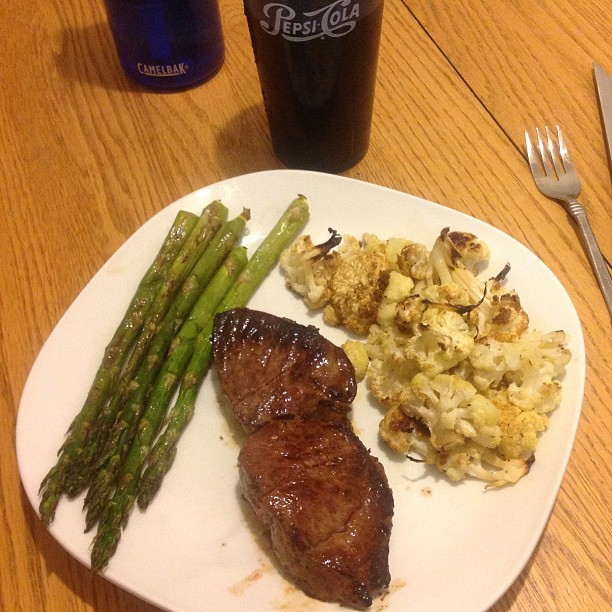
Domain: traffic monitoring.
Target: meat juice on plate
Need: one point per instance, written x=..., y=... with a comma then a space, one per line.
x=317, y=63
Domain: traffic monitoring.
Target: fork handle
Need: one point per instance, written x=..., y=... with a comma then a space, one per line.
x=598, y=263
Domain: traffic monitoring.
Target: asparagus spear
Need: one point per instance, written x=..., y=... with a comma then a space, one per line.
x=135, y=384
x=79, y=474
x=267, y=254
x=211, y=219
x=128, y=409
x=163, y=452
x=117, y=509
x=54, y=483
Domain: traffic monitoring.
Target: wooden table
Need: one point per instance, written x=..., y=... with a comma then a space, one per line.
x=87, y=157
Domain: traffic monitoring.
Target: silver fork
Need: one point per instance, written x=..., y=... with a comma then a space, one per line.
x=559, y=181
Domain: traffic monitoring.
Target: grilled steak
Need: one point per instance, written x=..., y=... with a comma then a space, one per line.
x=308, y=477
x=327, y=504
x=270, y=368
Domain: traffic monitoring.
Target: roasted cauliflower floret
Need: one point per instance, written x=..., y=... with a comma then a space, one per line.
x=484, y=465
x=519, y=428
x=396, y=292
x=389, y=372
x=507, y=319
x=409, y=436
x=413, y=260
x=409, y=313
x=500, y=315
x=428, y=339
x=397, y=430
x=527, y=368
x=358, y=356
x=357, y=288
x=446, y=294
x=390, y=248
x=447, y=408
x=441, y=341
x=309, y=268
x=453, y=250
x=453, y=411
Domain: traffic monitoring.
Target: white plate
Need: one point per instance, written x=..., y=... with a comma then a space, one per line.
x=453, y=546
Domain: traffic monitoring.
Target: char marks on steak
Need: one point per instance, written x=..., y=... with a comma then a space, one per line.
x=308, y=477
x=270, y=368
x=327, y=504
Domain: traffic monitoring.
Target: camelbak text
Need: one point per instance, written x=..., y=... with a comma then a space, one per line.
x=170, y=70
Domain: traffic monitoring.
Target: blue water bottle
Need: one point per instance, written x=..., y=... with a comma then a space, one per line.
x=167, y=44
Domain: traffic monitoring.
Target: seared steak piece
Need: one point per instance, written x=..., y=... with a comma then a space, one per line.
x=327, y=504
x=270, y=367
x=310, y=480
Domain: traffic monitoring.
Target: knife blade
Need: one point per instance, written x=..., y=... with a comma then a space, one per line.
x=603, y=84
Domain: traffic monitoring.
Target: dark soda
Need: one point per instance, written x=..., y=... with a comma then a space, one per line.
x=317, y=63
x=167, y=43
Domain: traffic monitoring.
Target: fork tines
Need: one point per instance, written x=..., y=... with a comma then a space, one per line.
x=548, y=153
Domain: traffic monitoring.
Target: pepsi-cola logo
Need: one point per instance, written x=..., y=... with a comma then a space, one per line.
x=334, y=20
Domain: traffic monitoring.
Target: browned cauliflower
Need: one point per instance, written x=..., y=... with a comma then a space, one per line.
x=408, y=435
x=358, y=356
x=357, y=288
x=519, y=428
x=457, y=250
x=526, y=369
x=500, y=315
x=309, y=269
x=466, y=385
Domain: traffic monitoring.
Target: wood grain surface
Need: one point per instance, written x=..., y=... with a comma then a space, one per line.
x=87, y=157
